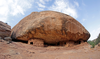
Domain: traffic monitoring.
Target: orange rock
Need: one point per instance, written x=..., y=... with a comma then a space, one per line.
x=50, y=26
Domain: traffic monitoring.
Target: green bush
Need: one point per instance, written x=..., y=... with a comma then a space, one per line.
x=94, y=42
x=93, y=45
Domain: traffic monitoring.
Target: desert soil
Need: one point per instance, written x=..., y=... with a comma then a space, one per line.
x=18, y=50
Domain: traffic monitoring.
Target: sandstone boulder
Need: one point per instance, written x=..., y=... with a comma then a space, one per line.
x=51, y=27
x=5, y=29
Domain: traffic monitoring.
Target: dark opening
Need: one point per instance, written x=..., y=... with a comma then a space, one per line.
x=31, y=43
x=79, y=42
x=85, y=40
x=56, y=44
x=15, y=40
x=46, y=44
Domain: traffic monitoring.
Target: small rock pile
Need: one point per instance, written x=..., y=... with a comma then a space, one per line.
x=6, y=40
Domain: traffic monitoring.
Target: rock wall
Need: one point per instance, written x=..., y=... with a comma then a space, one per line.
x=5, y=29
x=36, y=42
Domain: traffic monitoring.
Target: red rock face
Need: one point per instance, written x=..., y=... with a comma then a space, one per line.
x=50, y=26
x=5, y=30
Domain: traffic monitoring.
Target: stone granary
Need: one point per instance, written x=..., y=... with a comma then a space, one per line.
x=50, y=28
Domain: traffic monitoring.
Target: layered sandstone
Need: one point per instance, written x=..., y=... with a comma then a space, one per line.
x=5, y=29
x=51, y=27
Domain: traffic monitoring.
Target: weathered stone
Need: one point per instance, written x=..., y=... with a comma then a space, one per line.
x=36, y=42
x=8, y=39
x=5, y=30
x=50, y=26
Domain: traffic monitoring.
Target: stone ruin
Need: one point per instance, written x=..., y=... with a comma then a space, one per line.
x=40, y=43
x=36, y=42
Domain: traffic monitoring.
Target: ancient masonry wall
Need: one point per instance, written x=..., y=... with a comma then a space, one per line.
x=36, y=42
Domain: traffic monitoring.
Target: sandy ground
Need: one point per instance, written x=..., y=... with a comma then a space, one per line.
x=18, y=50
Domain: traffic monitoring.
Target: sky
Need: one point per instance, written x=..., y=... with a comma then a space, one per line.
x=87, y=12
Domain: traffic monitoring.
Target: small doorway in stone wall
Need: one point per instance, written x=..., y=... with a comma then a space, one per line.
x=31, y=43
x=36, y=42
